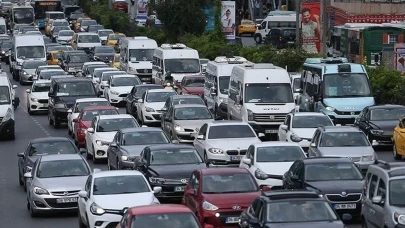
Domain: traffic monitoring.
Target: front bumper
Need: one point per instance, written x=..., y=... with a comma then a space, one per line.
x=7, y=128
x=39, y=105
x=47, y=203
x=100, y=151
x=61, y=115
x=152, y=117
x=220, y=218
x=228, y=158
x=117, y=99
x=104, y=221
x=265, y=128
x=381, y=139
x=168, y=191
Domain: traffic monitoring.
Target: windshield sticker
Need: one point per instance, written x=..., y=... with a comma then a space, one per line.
x=332, y=91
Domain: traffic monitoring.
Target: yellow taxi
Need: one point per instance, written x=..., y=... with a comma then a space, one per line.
x=399, y=140
x=112, y=39
x=52, y=57
x=48, y=27
x=116, y=61
x=76, y=24
x=246, y=27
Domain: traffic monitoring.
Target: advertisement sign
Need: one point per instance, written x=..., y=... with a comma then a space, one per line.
x=142, y=9
x=400, y=57
x=228, y=19
x=311, y=27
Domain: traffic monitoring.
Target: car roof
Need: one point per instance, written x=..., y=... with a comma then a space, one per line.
x=227, y=122
x=52, y=70
x=223, y=171
x=92, y=108
x=114, y=173
x=50, y=139
x=118, y=116
x=178, y=97
x=325, y=160
x=104, y=30
x=189, y=106
x=159, y=208
x=385, y=106
x=341, y=129
x=74, y=79
x=149, y=85
x=170, y=146
x=61, y=157
x=42, y=81
x=94, y=63
x=50, y=66
x=158, y=90
x=90, y=99
x=291, y=194
x=34, y=60
x=123, y=76
x=57, y=20
x=105, y=68
x=309, y=114
x=87, y=33
x=274, y=143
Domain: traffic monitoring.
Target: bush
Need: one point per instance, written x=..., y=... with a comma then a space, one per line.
x=387, y=85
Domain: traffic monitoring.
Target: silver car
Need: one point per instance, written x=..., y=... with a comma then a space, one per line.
x=343, y=141
x=28, y=68
x=55, y=181
x=183, y=122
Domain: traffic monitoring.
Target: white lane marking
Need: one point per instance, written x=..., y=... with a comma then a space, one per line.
x=38, y=124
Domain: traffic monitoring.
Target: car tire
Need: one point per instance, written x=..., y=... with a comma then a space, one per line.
x=21, y=81
x=50, y=120
x=395, y=153
x=29, y=110
x=118, y=165
x=363, y=223
x=33, y=213
x=81, y=223
x=88, y=156
x=28, y=204
x=56, y=124
x=12, y=136
x=20, y=181
x=69, y=131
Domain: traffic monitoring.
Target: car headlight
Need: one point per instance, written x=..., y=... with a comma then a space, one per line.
x=377, y=132
x=399, y=218
x=368, y=158
x=155, y=201
x=60, y=105
x=178, y=128
x=3, y=52
x=156, y=180
x=250, y=115
x=25, y=73
x=124, y=158
x=260, y=174
x=295, y=138
x=224, y=100
x=40, y=191
x=209, y=206
x=7, y=117
x=28, y=169
x=102, y=143
x=114, y=92
x=34, y=99
x=149, y=109
x=96, y=210
x=216, y=150
x=331, y=109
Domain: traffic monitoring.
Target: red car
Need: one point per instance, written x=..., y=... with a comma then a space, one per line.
x=192, y=85
x=160, y=216
x=218, y=196
x=120, y=5
x=83, y=121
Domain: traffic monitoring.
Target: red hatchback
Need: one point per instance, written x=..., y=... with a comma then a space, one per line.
x=192, y=85
x=160, y=216
x=83, y=121
x=218, y=196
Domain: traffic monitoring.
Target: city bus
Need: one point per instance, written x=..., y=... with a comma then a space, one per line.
x=42, y=6
x=22, y=15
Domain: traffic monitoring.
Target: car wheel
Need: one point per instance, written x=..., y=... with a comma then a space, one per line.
x=50, y=121
x=118, y=165
x=95, y=160
x=28, y=204
x=81, y=223
x=395, y=153
x=29, y=109
x=141, y=122
x=206, y=159
x=69, y=131
x=21, y=81
x=20, y=181
x=56, y=124
x=33, y=213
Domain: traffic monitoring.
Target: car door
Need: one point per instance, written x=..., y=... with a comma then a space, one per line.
x=199, y=144
x=83, y=201
x=89, y=135
x=141, y=104
x=368, y=207
x=379, y=214
x=287, y=182
x=282, y=134
x=129, y=100
x=70, y=116
x=23, y=161
x=190, y=200
x=312, y=150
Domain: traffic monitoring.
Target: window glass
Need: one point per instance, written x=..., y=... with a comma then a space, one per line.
x=229, y=183
x=175, y=156
x=89, y=115
x=344, y=139
x=396, y=192
x=48, y=148
x=144, y=138
x=120, y=185
x=373, y=185
x=382, y=190
x=62, y=168
x=231, y=131
x=328, y=172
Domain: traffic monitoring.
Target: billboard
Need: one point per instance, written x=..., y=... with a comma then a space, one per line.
x=400, y=57
x=228, y=19
x=311, y=26
x=142, y=9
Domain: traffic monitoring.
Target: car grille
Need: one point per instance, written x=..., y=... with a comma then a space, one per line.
x=144, y=71
x=355, y=159
x=123, y=95
x=112, y=225
x=156, y=116
x=52, y=203
x=340, y=198
x=236, y=152
x=346, y=113
x=43, y=101
x=175, y=181
x=65, y=193
x=269, y=117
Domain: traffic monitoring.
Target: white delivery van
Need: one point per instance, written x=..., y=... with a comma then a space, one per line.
x=8, y=102
x=177, y=59
x=217, y=75
x=275, y=21
x=261, y=95
x=136, y=54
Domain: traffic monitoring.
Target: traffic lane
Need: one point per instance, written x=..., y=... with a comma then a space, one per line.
x=247, y=41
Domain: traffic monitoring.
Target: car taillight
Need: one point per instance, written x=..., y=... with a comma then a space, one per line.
x=280, y=38
x=82, y=127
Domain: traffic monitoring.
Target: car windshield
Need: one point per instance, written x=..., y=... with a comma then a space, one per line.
x=296, y=84
x=79, y=58
x=144, y=138
x=41, y=87
x=75, y=88
x=159, y=96
x=346, y=85
x=332, y=171
x=59, y=28
x=66, y=33
x=182, y=65
x=95, y=28
x=178, y=220
x=75, y=16
x=344, y=139
x=224, y=84
x=47, y=75
x=6, y=45
x=59, y=48
x=105, y=32
x=82, y=105
x=89, y=39
x=23, y=15
x=275, y=93
x=49, y=67
x=193, y=82
x=98, y=73
x=188, y=100
x=192, y=113
x=115, y=37
x=88, y=22
x=33, y=64
x=89, y=115
x=114, y=185
x=230, y=131
x=62, y=168
x=248, y=23
x=279, y=154
x=310, y=121
x=107, y=76
x=49, y=148
x=396, y=192
x=4, y=95
x=136, y=55
x=175, y=156
x=387, y=114
x=60, y=23
x=142, y=89
x=56, y=16
x=294, y=211
x=125, y=81
x=109, y=125
x=30, y=52
x=106, y=49
x=91, y=69
x=229, y=183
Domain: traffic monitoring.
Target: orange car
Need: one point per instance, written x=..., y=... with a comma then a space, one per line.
x=246, y=27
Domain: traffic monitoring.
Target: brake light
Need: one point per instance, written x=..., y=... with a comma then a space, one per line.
x=82, y=127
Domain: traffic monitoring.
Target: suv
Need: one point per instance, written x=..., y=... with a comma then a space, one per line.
x=281, y=37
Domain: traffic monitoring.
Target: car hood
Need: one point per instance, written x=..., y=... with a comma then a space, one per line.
x=322, y=224
x=227, y=200
x=192, y=124
x=88, y=45
x=155, y=105
x=65, y=38
x=30, y=71
x=69, y=101
x=106, y=136
x=232, y=144
x=39, y=95
x=63, y=183
x=386, y=125
x=337, y=186
x=133, y=150
x=176, y=171
x=275, y=168
x=352, y=151
x=304, y=133
x=117, y=202
x=194, y=90
x=122, y=89
x=349, y=104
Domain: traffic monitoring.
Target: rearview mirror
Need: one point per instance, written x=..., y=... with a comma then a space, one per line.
x=295, y=178
x=75, y=120
x=140, y=100
x=157, y=189
x=284, y=127
x=312, y=145
x=113, y=144
x=200, y=137
x=83, y=194
x=50, y=94
x=28, y=91
x=261, y=135
x=175, y=141
x=20, y=155
x=28, y=175
x=253, y=220
x=90, y=130
x=247, y=161
x=377, y=200
x=69, y=111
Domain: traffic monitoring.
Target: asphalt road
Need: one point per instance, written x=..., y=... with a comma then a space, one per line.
x=13, y=212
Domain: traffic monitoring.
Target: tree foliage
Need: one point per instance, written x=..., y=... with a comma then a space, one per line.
x=387, y=85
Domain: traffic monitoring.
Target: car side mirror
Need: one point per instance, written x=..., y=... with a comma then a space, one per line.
x=83, y=194
x=284, y=127
x=140, y=100
x=190, y=191
x=28, y=175
x=298, y=91
x=200, y=137
x=75, y=120
x=113, y=144
x=247, y=161
x=21, y=155
x=70, y=111
x=377, y=200
x=28, y=91
x=90, y=130
x=82, y=151
x=157, y=189
x=312, y=145
x=164, y=109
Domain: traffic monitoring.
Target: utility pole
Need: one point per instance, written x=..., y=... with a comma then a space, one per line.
x=298, y=23
x=324, y=27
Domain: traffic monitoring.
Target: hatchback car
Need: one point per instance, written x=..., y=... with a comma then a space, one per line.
x=281, y=37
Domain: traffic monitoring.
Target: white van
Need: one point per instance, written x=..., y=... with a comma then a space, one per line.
x=275, y=21
x=26, y=47
x=136, y=54
x=217, y=75
x=261, y=95
x=8, y=102
x=177, y=59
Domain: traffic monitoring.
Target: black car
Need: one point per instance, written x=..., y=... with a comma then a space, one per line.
x=64, y=56
x=135, y=94
x=378, y=122
x=290, y=209
x=338, y=179
x=63, y=94
x=128, y=144
x=5, y=48
x=74, y=62
x=103, y=53
x=281, y=37
x=169, y=166
x=94, y=28
x=40, y=147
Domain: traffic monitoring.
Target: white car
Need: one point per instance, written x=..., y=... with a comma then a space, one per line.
x=300, y=127
x=224, y=142
x=73, y=113
x=64, y=37
x=118, y=87
x=151, y=104
x=103, y=34
x=103, y=82
x=102, y=131
x=37, y=96
x=271, y=158
x=107, y=193
x=95, y=76
x=59, y=22
x=46, y=67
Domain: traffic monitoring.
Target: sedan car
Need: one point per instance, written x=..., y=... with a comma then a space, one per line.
x=74, y=62
x=103, y=34
x=28, y=69
x=103, y=81
x=180, y=99
x=182, y=122
x=46, y=67
x=54, y=183
x=37, y=96
x=136, y=94
x=192, y=85
x=55, y=32
x=169, y=166
x=118, y=88
x=107, y=193
x=47, y=74
x=103, y=53
x=150, y=106
x=85, y=73
x=64, y=37
x=5, y=50
x=246, y=27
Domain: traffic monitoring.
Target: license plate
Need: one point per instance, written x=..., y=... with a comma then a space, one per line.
x=270, y=131
x=232, y=220
x=179, y=189
x=345, y=206
x=236, y=158
x=45, y=105
x=67, y=200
